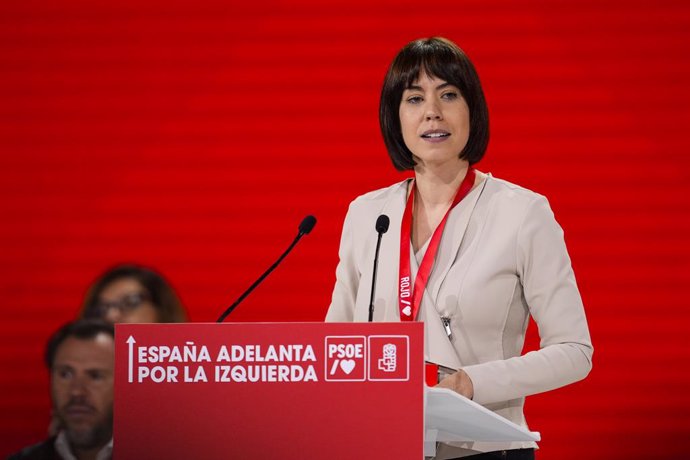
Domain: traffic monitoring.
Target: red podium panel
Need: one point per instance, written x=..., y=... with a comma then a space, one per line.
x=269, y=391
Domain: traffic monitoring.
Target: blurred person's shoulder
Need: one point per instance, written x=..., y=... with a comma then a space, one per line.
x=44, y=450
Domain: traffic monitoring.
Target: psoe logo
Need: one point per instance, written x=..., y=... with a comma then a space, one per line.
x=389, y=362
x=345, y=358
x=389, y=357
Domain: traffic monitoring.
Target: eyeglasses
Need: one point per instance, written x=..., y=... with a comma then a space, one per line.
x=125, y=304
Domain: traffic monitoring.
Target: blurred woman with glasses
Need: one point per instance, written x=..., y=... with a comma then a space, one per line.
x=133, y=294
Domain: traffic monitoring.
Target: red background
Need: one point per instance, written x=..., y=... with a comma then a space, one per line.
x=194, y=137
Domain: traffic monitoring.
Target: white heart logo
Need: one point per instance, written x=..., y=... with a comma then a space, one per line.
x=407, y=311
x=347, y=365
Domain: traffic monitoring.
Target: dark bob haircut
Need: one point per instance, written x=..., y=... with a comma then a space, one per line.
x=84, y=329
x=437, y=57
x=163, y=297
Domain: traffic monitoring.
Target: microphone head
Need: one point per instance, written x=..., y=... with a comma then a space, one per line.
x=382, y=223
x=307, y=225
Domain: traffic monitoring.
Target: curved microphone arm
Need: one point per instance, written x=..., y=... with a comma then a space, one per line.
x=305, y=227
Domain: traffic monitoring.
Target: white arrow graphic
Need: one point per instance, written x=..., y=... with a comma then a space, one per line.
x=131, y=343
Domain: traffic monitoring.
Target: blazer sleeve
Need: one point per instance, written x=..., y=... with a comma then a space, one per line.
x=347, y=275
x=551, y=294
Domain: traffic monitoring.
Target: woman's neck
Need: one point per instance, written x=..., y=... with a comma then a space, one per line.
x=435, y=191
x=436, y=187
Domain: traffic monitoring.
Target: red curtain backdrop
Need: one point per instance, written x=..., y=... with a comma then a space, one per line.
x=193, y=137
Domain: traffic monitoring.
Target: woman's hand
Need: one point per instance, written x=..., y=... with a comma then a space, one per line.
x=460, y=383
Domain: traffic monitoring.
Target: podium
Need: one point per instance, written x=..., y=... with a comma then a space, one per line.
x=285, y=391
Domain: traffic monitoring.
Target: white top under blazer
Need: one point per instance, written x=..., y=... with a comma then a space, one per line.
x=502, y=258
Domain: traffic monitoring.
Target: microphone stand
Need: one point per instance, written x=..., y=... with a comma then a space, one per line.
x=381, y=227
x=304, y=228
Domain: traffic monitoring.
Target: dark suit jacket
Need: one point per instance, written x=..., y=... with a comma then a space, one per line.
x=42, y=451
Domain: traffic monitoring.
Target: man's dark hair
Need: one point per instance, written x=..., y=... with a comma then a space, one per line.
x=84, y=329
x=437, y=57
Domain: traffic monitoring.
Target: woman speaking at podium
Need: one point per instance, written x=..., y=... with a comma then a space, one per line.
x=470, y=255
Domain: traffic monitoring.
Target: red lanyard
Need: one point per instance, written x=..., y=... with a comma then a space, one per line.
x=410, y=296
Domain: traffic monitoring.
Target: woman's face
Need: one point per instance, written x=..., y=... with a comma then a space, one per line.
x=435, y=121
x=126, y=301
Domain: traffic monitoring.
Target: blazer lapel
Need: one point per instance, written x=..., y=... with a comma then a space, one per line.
x=451, y=240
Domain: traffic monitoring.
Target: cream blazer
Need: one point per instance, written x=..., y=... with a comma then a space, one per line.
x=502, y=258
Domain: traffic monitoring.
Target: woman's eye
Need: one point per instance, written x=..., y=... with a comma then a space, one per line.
x=414, y=99
x=450, y=95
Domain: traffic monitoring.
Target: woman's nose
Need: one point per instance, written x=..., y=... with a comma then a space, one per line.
x=113, y=315
x=432, y=111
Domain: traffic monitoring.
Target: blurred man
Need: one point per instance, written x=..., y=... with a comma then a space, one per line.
x=81, y=360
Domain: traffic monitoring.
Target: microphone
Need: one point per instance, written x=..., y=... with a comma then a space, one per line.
x=382, y=224
x=306, y=225
x=304, y=228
